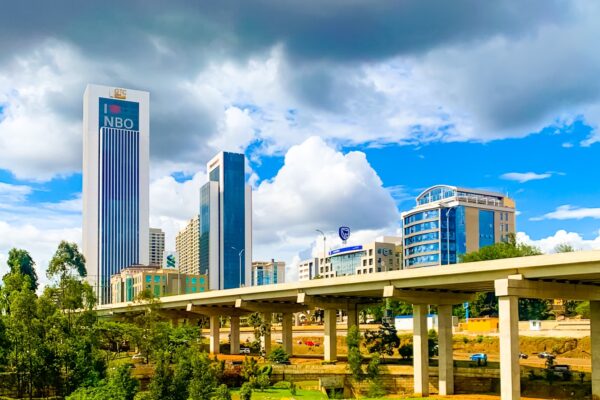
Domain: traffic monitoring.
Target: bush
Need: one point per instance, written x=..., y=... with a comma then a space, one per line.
x=293, y=388
x=278, y=355
x=282, y=385
x=479, y=339
x=223, y=393
x=376, y=389
x=246, y=391
x=263, y=381
x=406, y=350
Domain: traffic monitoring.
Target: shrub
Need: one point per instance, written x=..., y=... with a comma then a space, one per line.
x=282, y=385
x=223, y=393
x=246, y=391
x=376, y=389
x=263, y=381
x=278, y=355
x=479, y=339
x=293, y=388
x=406, y=350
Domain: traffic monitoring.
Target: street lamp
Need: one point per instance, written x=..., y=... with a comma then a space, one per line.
x=324, y=241
x=240, y=256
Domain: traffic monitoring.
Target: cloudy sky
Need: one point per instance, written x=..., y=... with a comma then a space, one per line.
x=346, y=110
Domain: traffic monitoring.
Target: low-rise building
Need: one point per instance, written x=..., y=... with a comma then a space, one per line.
x=308, y=269
x=384, y=254
x=267, y=272
x=133, y=280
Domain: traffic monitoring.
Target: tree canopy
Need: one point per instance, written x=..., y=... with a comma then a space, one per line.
x=19, y=261
x=66, y=260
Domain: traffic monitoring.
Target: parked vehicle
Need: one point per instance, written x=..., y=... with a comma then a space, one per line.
x=523, y=356
x=244, y=350
x=279, y=341
x=561, y=371
x=138, y=357
x=546, y=355
x=480, y=358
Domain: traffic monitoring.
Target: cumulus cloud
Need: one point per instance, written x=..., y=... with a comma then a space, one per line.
x=523, y=177
x=568, y=211
x=548, y=244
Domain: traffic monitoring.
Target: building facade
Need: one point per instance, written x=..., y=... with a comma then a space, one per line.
x=308, y=269
x=267, y=272
x=226, y=223
x=156, y=246
x=384, y=254
x=187, y=245
x=449, y=221
x=131, y=281
x=115, y=183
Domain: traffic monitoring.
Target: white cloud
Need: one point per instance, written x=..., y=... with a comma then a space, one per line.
x=548, y=244
x=13, y=193
x=523, y=177
x=568, y=211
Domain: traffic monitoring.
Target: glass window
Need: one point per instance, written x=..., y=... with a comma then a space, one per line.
x=156, y=278
x=193, y=281
x=428, y=259
x=202, y=281
x=148, y=278
x=424, y=226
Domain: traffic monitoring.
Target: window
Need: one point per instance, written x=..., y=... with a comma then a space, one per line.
x=156, y=278
x=370, y=252
x=364, y=263
x=370, y=261
x=148, y=278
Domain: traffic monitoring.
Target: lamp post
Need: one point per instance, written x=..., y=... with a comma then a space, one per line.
x=240, y=256
x=324, y=240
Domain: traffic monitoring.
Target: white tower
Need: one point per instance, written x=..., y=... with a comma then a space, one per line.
x=115, y=182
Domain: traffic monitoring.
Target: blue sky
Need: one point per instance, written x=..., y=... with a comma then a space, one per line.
x=345, y=111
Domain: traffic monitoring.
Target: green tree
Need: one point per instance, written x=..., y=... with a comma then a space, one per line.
x=19, y=261
x=246, y=391
x=203, y=382
x=355, y=359
x=160, y=387
x=564, y=248
x=66, y=260
x=223, y=393
x=120, y=385
x=383, y=341
x=486, y=304
x=278, y=355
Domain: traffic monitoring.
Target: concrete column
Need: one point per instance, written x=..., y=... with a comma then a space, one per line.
x=330, y=335
x=215, y=327
x=287, y=332
x=266, y=339
x=352, y=315
x=420, y=350
x=234, y=335
x=446, y=361
x=595, y=337
x=510, y=374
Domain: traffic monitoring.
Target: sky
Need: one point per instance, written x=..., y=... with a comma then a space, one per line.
x=346, y=111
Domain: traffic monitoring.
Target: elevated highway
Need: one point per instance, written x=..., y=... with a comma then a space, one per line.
x=574, y=276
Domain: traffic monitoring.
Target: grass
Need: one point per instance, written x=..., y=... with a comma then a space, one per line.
x=275, y=394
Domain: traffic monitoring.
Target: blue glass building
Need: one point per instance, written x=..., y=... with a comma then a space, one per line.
x=449, y=221
x=115, y=183
x=225, y=223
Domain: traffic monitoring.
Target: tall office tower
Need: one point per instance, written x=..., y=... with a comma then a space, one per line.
x=187, y=245
x=157, y=246
x=115, y=182
x=449, y=221
x=226, y=223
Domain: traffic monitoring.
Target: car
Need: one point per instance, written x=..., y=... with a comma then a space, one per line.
x=138, y=357
x=244, y=350
x=523, y=356
x=546, y=355
x=279, y=341
x=561, y=371
x=479, y=357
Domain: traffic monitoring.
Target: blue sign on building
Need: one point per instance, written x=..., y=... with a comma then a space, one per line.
x=344, y=233
x=119, y=114
x=345, y=249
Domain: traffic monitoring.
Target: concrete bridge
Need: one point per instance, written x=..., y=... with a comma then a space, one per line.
x=574, y=276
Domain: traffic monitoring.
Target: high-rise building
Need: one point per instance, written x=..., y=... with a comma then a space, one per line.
x=226, y=223
x=115, y=182
x=157, y=246
x=449, y=221
x=267, y=272
x=187, y=245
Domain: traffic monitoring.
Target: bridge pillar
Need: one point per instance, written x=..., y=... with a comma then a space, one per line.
x=330, y=335
x=420, y=350
x=595, y=338
x=446, y=362
x=287, y=333
x=234, y=335
x=510, y=374
x=352, y=315
x=266, y=339
x=215, y=334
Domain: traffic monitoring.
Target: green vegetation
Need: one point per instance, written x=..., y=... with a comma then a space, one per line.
x=355, y=358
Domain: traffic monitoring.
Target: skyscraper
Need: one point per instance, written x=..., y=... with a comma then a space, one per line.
x=226, y=223
x=157, y=246
x=449, y=221
x=187, y=245
x=115, y=182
